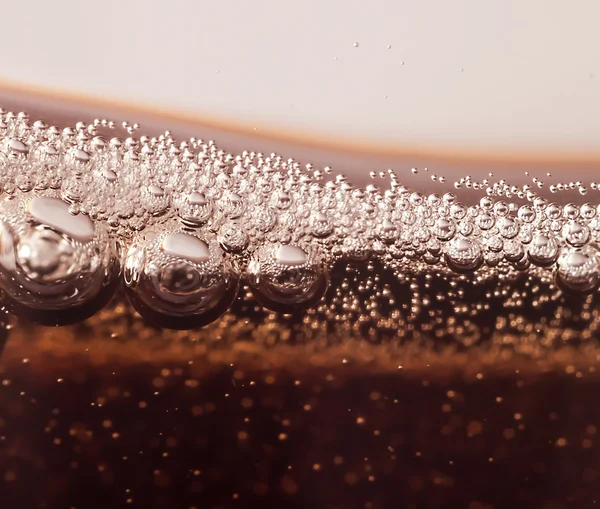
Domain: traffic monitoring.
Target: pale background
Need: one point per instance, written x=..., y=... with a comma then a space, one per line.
x=462, y=76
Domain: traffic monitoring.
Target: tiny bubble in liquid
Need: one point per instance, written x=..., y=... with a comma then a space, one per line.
x=355, y=45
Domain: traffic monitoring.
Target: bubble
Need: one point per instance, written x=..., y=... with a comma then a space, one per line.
x=457, y=210
x=109, y=175
x=55, y=214
x=444, y=229
x=486, y=221
x=553, y=211
x=73, y=190
x=195, y=209
x=55, y=268
x=321, y=226
x=465, y=228
x=282, y=200
x=464, y=254
x=285, y=276
x=233, y=238
x=494, y=244
x=576, y=234
x=179, y=280
x=513, y=250
x=571, y=211
x=387, y=231
x=501, y=208
x=578, y=270
x=16, y=147
x=79, y=156
x=523, y=264
x=492, y=259
x=155, y=200
x=508, y=227
x=486, y=203
x=526, y=214
x=232, y=205
x=543, y=250
x=588, y=211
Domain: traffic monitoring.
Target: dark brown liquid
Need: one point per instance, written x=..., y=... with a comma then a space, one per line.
x=169, y=435
x=112, y=413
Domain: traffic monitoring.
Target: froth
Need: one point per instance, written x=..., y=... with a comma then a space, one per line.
x=195, y=220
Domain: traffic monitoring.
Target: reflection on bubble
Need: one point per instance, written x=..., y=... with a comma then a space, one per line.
x=55, y=268
x=578, y=270
x=464, y=254
x=286, y=277
x=195, y=209
x=543, y=249
x=179, y=280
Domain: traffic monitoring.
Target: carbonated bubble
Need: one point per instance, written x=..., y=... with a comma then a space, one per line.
x=543, y=249
x=508, y=227
x=190, y=212
x=387, y=231
x=155, y=200
x=576, y=234
x=464, y=254
x=321, y=225
x=286, y=276
x=55, y=267
x=526, y=214
x=233, y=237
x=232, y=205
x=355, y=250
x=444, y=229
x=578, y=270
x=195, y=209
x=179, y=280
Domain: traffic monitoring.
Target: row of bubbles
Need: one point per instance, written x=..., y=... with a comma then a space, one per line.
x=57, y=268
x=187, y=225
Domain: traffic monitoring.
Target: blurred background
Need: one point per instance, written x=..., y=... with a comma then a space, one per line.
x=416, y=81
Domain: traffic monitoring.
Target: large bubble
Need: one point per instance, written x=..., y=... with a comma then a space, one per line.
x=464, y=254
x=578, y=270
x=179, y=280
x=286, y=277
x=55, y=267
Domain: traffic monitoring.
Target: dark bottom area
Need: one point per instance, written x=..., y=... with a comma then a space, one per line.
x=78, y=436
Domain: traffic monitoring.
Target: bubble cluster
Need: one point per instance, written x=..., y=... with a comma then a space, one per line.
x=186, y=224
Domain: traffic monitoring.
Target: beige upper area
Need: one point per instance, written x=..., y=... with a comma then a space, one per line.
x=471, y=75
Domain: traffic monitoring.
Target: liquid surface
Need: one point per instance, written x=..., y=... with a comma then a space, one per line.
x=189, y=211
